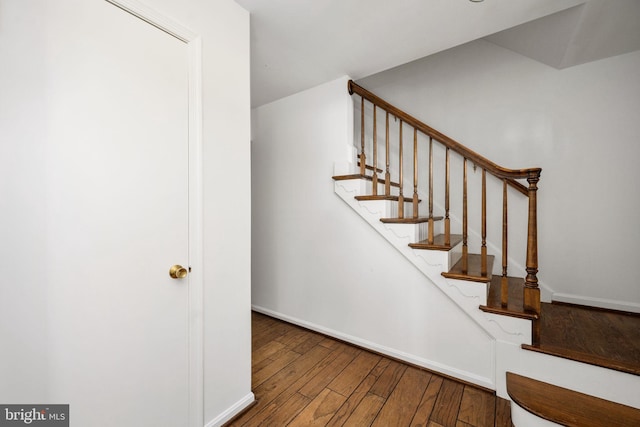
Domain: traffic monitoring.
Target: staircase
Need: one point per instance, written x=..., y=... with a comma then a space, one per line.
x=499, y=291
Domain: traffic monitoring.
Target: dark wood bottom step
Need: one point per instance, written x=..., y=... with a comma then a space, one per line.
x=438, y=243
x=610, y=339
x=473, y=272
x=515, y=306
x=409, y=220
x=568, y=407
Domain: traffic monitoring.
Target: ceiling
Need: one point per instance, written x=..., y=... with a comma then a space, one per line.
x=298, y=44
x=595, y=30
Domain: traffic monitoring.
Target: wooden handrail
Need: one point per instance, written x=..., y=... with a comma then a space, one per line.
x=509, y=174
x=531, y=291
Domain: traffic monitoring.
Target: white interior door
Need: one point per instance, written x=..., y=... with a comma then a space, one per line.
x=97, y=212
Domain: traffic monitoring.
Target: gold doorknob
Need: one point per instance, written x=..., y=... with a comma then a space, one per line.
x=178, y=272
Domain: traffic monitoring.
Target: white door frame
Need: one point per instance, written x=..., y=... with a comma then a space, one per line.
x=196, y=262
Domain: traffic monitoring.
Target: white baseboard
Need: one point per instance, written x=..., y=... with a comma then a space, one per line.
x=597, y=302
x=231, y=412
x=393, y=353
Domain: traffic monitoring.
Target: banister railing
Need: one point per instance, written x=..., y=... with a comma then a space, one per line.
x=477, y=159
x=508, y=178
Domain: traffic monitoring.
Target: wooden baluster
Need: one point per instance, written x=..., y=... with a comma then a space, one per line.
x=504, y=283
x=374, y=180
x=531, y=290
x=415, y=172
x=387, y=175
x=430, y=233
x=483, y=248
x=447, y=221
x=465, y=249
x=400, y=196
x=363, y=157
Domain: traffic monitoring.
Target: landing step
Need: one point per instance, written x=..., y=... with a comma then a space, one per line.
x=473, y=272
x=382, y=197
x=411, y=220
x=438, y=243
x=568, y=407
x=359, y=176
x=610, y=339
x=515, y=305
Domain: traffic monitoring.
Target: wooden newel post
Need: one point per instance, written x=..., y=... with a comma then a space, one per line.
x=531, y=290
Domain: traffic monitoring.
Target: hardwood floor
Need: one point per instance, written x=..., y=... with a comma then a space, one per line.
x=301, y=378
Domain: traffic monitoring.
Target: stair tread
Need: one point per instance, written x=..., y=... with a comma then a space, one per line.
x=473, y=272
x=438, y=243
x=589, y=335
x=515, y=305
x=382, y=197
x=360, y=176
x=568, y=407
x=590, y=359
x=409, y=220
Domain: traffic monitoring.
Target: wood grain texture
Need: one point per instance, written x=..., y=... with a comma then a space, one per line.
x=379, y=197
x=425, y=408
x=402, y=404
x=348, y=408
x=447, y=404
x=302, y=378
x=352, y=375
x=503, y=413
x=515, y=293
x=412, y=220
x=388, y=379
x=474, y=267
x=439, y=242
x=477, y=408
x=599, y=337
x=320, y=410
x=359, y=176
x=568, y=407
x=318, y=383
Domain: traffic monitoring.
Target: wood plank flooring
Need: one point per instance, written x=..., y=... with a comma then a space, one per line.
x=301, y=378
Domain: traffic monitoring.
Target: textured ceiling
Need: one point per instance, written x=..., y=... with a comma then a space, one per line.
x=595, y=30
x=298, y=44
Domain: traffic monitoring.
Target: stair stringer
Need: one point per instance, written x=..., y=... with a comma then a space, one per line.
x=465, y=294
x=507, y=332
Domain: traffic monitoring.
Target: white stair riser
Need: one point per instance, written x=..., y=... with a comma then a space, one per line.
x=520, y=417
x=589, y=379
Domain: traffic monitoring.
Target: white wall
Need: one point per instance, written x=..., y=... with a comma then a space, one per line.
x=224, y=28
x=317, y=263
x=579, y=124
